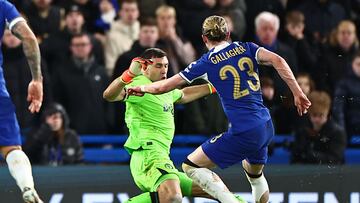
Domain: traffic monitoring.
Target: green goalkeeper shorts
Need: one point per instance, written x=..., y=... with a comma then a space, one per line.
x=150, y=168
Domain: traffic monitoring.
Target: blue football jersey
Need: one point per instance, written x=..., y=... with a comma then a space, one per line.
x=8, y=16
x=232, y=68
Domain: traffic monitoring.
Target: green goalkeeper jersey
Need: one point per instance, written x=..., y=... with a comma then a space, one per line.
x=150, y=118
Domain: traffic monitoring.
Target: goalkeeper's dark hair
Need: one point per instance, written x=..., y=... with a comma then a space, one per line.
x=153, y=53
x=215, y=28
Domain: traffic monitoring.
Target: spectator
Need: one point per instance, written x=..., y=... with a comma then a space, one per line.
x=17, y=75
x=190, y=15
x=179, y=51
x=89, y=9
x=54, y=143
x=320, y=140
x=107, y=15
x=148, y=37
x=230, y=22
x=268, y=93
x=235, y=9
x=44, y=18
x=305, y=82
x=285, y=116
x=254, y=8
x=74, y=24
x=346, y=109
x=267, y=27
x=294, y=37
x=321, y=17
x=79, y=82
x=337, y=56
x=122, y=34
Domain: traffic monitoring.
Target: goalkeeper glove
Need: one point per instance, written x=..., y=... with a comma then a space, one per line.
x=135, y=69
x=139, y=63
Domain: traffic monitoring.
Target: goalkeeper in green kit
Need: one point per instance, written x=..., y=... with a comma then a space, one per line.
x=150, y=120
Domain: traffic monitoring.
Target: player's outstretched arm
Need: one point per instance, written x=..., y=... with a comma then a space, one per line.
x=115, y=91
x=32, y=52
x=269, y=58
x=158, y=87
x=195, y=92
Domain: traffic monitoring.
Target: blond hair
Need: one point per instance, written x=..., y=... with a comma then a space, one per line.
x=165, y=8
x=215, y=28
x=344, y=23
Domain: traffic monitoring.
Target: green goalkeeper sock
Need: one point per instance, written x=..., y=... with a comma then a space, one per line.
x=147, y=197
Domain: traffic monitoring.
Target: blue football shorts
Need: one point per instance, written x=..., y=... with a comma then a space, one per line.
x=9, y=127
x=228, y=148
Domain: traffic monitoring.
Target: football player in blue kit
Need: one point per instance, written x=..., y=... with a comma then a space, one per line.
x=232, y=68
x=10, y=142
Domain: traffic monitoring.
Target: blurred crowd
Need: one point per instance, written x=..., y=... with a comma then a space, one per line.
x=86, y=43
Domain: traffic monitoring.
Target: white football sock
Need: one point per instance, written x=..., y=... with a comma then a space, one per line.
x=211, y=183
x=20, y=169
x=258, y=186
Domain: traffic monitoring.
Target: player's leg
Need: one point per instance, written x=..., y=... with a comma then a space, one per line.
x=259, y=185
x=20, y=169
x=197, y=168
x=10, y=142
x=153, y=171
x=254, y=163
x=169, y=191
x=191, y=189
x=146, y=197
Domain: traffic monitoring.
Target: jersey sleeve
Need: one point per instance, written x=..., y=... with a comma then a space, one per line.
x=11, y=14
x=254, y=48
x=177, y=94
x=194, y=71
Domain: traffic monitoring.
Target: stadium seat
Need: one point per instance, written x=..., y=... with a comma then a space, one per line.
x=181, y=139
x=183, y=145
x=179, y=154
x=352, y=156
x=103, y=139
x=280, y=156
x=355, y=140
x=100, y=155
x=281, y=138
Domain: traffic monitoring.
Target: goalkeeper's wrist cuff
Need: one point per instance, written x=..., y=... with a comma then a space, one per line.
x=127, y=77
x=211, y=88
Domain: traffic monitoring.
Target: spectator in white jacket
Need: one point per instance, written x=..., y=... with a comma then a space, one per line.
x=122, y=34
